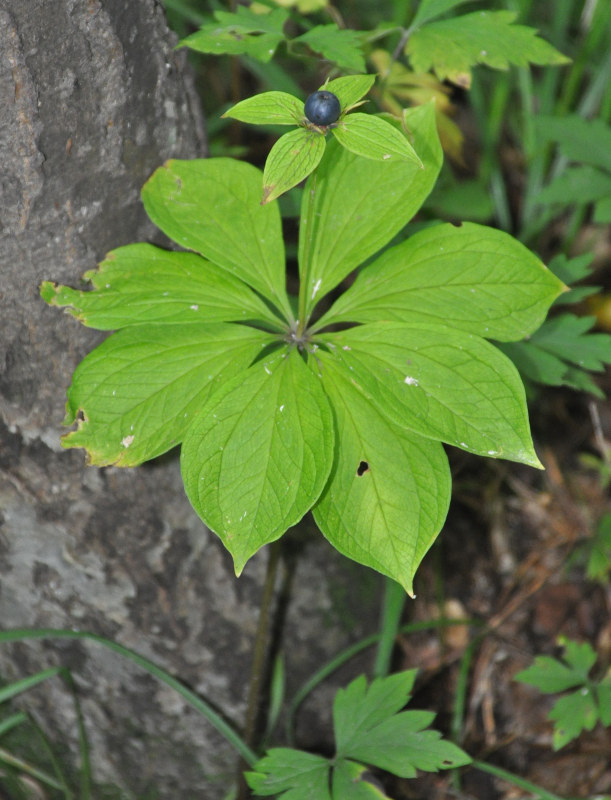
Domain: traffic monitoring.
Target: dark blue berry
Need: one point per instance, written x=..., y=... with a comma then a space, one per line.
x=322, y=108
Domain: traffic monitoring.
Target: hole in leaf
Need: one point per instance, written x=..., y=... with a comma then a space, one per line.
x=362, y=468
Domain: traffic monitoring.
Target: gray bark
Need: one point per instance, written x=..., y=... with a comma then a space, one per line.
x=92, y=99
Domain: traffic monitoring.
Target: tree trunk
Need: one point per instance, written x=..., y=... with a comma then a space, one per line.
x=93, y=99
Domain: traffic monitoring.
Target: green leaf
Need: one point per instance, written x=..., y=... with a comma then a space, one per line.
x=242, y=32
x=351, y=782
x=580, y=184
x=603, y=694
x=471, y=277
x=451, y=47
x=467, y=200
x=25, y=684
x=567, y=337
x=349, y=89
x=301, y=776
x=579, y=656
x=141, y=283
x=579, y=139
x=139, y=391
x=268, y=108
x=573, y=714
x=294, y=156
x=212, y=206
x=559, y=343
x=389, y=490
x=576, y=295
x=599, y=562
x=359, y=205
x=571, y=270
x=430, y=9
x=372, y=137
x=582, y=382
x=549, y=675
x=8, y=723
x=602, y=211
x=361, y=707
x=395, y=742
x=439, y=383
x=535, y=364
x=342, y=47
x=401, y=746
x=259, y=453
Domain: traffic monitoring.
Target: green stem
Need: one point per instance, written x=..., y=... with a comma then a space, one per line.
x=23, y=766
x=259, y=661
x=392, y=608
x=521, y=783
x=460, y=702
x=398, y=49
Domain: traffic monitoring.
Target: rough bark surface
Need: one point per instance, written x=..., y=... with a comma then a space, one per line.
x=93, y=98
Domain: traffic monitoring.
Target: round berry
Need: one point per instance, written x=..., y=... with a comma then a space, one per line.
x=322, y=108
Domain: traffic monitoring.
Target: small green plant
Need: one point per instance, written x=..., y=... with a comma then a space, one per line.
x=564, y=350
x=419, y=49
x=584, y=176
x=583, y=708
x=281, y=412
x=297, y=154
x=595, y=553
x=370, y=730
x=449, y=48
x=26, y=776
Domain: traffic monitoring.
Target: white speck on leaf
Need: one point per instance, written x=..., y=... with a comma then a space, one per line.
x=463, y=444
x=345, y=347
x=194, y=307
x=281, y=407
x=492, y=453
x=386, y=155
x=316, y=288
x=410, y=381
x=267, y=369
x=483, y=53
x=127, y=440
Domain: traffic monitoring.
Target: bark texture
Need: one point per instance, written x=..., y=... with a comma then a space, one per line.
x=93, y=98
